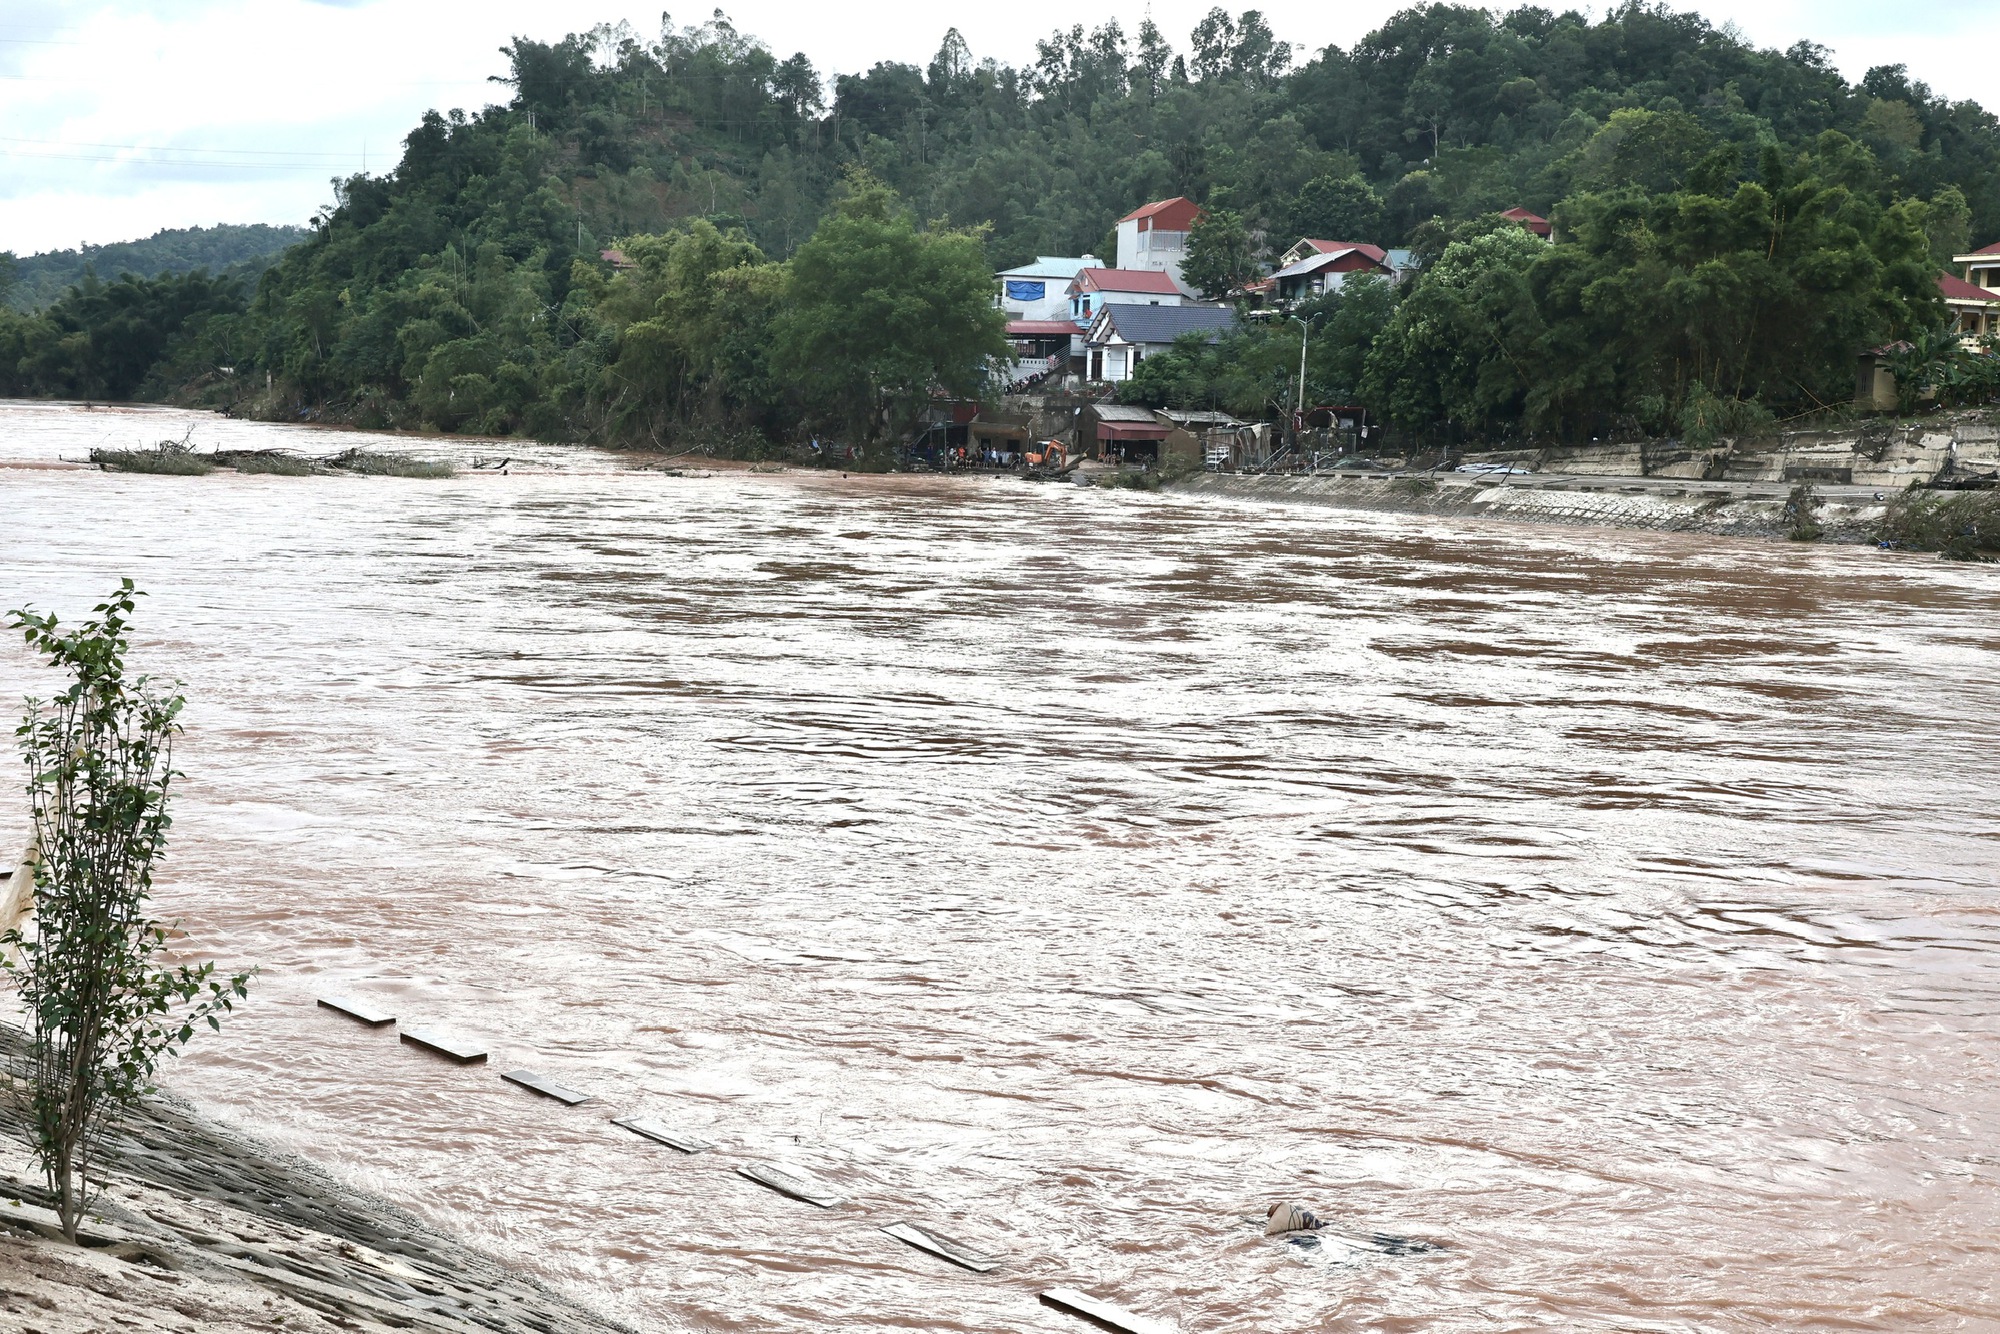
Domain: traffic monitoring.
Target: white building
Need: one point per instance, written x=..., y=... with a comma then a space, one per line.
x=1155, y=237
x=1040, y=291
x=1122, y=336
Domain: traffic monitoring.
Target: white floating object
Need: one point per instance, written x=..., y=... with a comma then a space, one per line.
x=355, y=1009
x=548, y=1088
x=655, y=1130
x=945, y=1248
x=1117, y=1317
x=456, y=1049
x=793, y=1181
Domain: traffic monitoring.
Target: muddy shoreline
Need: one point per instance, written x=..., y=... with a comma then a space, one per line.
x=203, y=1228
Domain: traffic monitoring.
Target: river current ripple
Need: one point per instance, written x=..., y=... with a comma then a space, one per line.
x=1077, y=873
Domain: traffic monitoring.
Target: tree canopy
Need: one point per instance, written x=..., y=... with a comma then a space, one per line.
x=466, y=288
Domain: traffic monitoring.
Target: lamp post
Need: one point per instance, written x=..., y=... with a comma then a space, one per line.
x=1305, y=333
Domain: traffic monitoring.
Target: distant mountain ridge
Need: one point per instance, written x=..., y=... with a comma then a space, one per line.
x=242, y=250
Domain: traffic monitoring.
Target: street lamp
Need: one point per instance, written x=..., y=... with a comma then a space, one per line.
x=1305, y=332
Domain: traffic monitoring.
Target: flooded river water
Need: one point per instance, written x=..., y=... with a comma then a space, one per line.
x=1077, y=873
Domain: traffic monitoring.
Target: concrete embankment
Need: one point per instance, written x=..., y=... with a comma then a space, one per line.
x=1846, y=513
x=200, y=1229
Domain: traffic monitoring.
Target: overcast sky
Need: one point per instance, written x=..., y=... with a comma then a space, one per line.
x=120, y=117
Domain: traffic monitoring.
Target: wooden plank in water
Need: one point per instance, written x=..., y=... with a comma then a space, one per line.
x=1103, y=1312
x=945, y=1248
x=792, y=1181
x=359, y=1010
x=655, y=1130
x=548, y=1088
x=455, y=1049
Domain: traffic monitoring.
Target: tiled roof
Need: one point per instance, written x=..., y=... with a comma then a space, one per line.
x=1127, y=280
x=1179, y=203
x=1163, y=324
x=1374, y=252
x=1956, y=288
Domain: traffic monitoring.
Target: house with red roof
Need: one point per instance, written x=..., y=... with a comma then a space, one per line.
x=1156, y=236
x=1534, y=222
x=1974, y=299
x=1313, y=268
x=1094, y=289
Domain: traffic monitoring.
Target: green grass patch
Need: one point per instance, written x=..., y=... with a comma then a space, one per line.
x=1129, y=480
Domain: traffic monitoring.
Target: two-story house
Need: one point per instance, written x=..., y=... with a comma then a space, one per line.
x=1156, y=237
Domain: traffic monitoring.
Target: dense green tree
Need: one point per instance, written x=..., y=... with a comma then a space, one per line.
x=1219, y=257
x=104, y=340
x=878, y=313
x=463, y=287
x=1336, y=208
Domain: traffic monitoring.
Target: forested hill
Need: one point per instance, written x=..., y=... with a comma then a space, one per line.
x=240, y=250
x=1445, y=109
x=465, y=288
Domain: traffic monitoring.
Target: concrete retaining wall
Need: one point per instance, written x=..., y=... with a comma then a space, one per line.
x=1695, y=509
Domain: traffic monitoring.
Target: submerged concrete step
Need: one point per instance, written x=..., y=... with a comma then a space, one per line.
x=945, y=1248
x=362, y=1011
x=455, y=1049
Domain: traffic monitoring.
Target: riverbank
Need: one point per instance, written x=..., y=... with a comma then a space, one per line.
x=203, y=1229
x=1733, y=509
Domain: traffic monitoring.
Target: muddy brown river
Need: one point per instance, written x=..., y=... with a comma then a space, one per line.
x=1076, y=873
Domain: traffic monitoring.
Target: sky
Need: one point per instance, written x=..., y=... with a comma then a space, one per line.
x=121, y=117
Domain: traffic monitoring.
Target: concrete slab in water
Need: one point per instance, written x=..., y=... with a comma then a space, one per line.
x=792, y=1181
x=654, y=1130
x=548, y=1088
x=1103, y=1312
x=945, y=1248
x=456, y=1049
x=355, y=1009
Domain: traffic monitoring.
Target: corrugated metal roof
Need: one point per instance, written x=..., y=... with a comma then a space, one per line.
x=1053, y=266
x=1163, y=324
x=1118, y=412
x=1314, y=263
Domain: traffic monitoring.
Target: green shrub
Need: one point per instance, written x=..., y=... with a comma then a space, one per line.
x=268, y=462
x=373, y=464
x=172, y=460
x=1802, y=514
x=1959, y=525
